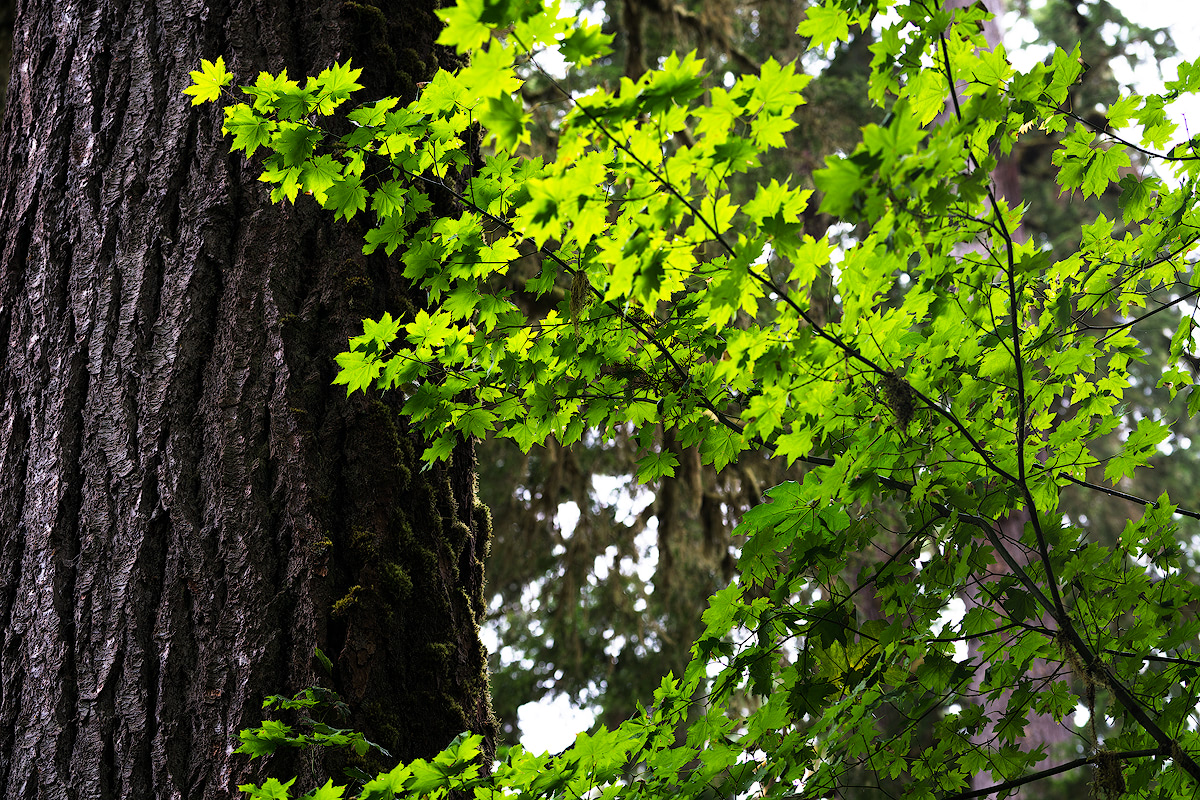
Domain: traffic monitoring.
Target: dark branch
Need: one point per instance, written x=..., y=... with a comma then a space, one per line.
x=1052, y=771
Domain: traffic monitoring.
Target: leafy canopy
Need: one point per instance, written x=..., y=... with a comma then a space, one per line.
x=964, y=378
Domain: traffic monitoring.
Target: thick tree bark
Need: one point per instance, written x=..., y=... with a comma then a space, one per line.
x=187, y=507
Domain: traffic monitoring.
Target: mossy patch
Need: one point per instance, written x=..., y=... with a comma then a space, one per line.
x=405, y=563
x=349, y=601
x=397, y=583
x=410, y=555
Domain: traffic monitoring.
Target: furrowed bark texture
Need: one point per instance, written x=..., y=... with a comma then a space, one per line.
x=187, y=506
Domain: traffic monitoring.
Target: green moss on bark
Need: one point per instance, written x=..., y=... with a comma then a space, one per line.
x=405, y=566
x=410, y=656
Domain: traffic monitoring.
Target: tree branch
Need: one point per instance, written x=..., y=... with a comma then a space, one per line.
x=1052, y=771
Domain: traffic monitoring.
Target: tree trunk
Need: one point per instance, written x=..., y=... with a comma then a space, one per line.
x=187, y=506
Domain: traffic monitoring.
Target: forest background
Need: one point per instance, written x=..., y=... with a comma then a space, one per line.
x=577, y=633
x=851, y=649
x=1081, y=577
x=543, y=390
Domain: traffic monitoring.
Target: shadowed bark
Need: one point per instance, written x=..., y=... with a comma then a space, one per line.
x=187, y=506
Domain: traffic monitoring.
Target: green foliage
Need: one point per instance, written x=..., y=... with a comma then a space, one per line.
x=208, y=81
x=964, y=381
x=266, y=738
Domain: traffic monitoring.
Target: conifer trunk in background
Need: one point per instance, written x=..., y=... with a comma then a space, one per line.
x=187, y=506
x=1041, y=730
